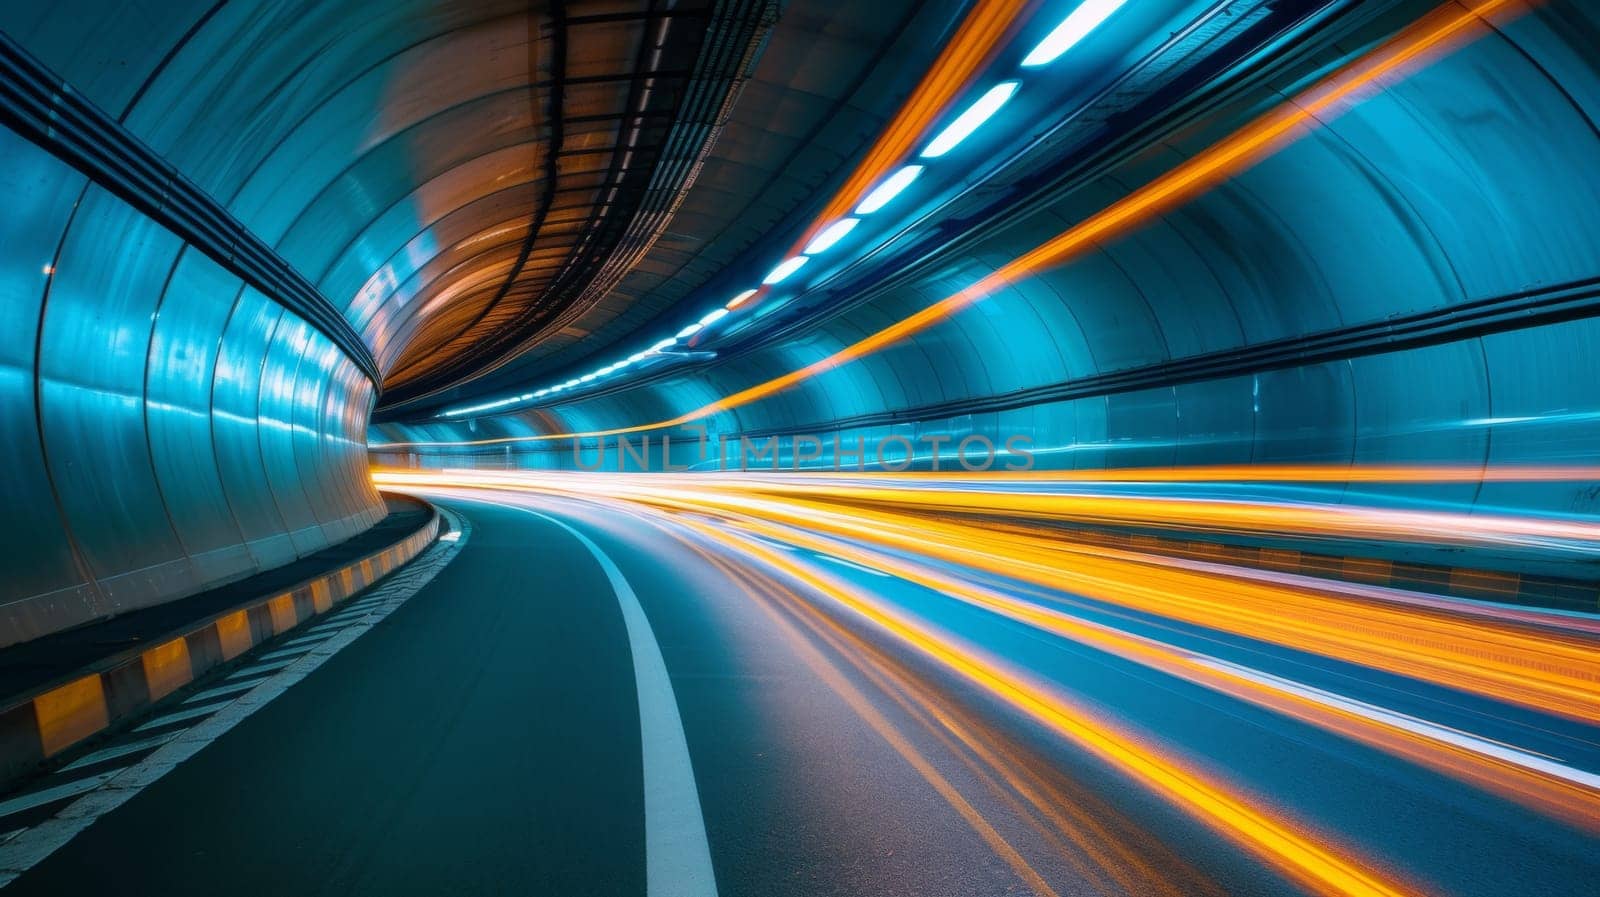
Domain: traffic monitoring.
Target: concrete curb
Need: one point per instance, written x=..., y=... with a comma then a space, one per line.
x=1459, y=582
x=39, y=726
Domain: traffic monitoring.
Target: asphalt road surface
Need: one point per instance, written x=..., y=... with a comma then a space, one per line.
x=612, y=698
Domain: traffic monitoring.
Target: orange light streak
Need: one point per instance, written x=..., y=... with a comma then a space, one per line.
x=1077, y=817
x=880, y=724
x=981, y=34
x=1278, y=841
x=1563, y=799
x=1538, y=668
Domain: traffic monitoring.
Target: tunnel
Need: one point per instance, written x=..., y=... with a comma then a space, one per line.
x=681, y=447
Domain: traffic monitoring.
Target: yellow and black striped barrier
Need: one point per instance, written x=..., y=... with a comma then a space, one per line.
x=36, y=727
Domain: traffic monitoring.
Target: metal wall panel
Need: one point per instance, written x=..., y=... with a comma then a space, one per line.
x=1544, y=409
x=36, y=547
x=138, y=476
x=276, y=409
x=236, y=425
x=179, y=381
x=94, y=346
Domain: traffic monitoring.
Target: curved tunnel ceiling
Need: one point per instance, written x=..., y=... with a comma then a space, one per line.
x=477, y=185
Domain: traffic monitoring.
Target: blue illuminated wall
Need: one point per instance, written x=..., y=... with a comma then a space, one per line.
x=165, y=428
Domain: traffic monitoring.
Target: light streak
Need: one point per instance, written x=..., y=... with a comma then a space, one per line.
x=880, y=724
x=918, y=529
x=1491, y=653
x=1564, y=792
x=1076, y=814
x=1279, y=841
x=982, y=32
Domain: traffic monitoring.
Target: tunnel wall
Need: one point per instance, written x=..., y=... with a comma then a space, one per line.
x=1470, y=184
x=167, y=429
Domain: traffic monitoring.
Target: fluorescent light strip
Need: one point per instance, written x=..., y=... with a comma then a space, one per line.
x=888, y=190
x=970, y=120
x=1075, y=27
x=1080, y=22
x=831, y=235
x=782, y=272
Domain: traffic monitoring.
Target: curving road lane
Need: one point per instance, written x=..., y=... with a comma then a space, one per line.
x=861, y=720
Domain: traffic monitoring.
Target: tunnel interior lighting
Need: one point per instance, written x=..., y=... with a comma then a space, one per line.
x=473, y=409
x=1088, y=16
x=1083, y=19
x=888, y=190
x=979, y=112
x=830, y=235
x=782, y=272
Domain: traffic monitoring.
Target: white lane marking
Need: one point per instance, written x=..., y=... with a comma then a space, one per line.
x=30, y=847
x=302, y=640
x=1464, y=740
x=54, y=793
x=219, y=691
x=677, y=852
x=259, y=669
x=120, y=750
x=842, y=562
x=181, y=716
x=280, y=655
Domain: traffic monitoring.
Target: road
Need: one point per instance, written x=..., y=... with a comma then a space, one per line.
x=837, y=711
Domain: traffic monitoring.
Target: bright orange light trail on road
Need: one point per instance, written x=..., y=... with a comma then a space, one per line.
x=1541, y=670
x=1532, y=787
x=1279, y=841
x=1528, y=659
